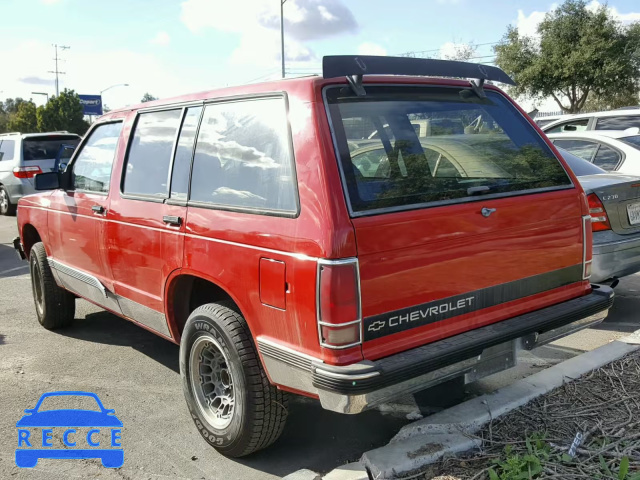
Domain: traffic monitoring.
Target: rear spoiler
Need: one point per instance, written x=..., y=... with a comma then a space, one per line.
x=355, y=66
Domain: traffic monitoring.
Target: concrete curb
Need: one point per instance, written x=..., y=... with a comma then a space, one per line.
x=426, y=441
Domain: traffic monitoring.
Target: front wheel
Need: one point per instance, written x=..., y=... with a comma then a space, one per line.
x=228, y=393
x=55, y=307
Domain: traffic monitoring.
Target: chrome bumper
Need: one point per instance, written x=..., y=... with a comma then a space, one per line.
x=474, y=354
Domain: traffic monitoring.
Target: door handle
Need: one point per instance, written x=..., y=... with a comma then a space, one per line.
x=99, y=209
x=172, y=220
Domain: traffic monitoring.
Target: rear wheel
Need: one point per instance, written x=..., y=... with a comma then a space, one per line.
x=55, y=307
x=229, y=396
x=6, y=207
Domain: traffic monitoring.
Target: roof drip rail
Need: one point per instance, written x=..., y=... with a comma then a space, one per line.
x=355, y=81
x=354, y=67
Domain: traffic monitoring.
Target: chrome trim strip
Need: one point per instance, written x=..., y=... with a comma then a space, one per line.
x=77, y=274
x=585, y=219
x=144, y=315
x=350, y=376
x=341, y=261
x=286, y=354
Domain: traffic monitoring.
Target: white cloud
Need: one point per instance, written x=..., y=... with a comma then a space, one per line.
x=161, y=38
x=257, y=22
x=621, y=17
x=369, y=48
x=89, y=70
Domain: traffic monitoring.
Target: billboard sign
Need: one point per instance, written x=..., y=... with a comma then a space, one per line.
x=92, y=104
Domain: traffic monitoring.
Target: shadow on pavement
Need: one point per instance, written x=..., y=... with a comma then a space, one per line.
x=10, y=264
x=107, y=328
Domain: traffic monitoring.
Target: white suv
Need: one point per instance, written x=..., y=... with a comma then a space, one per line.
x=22, y=156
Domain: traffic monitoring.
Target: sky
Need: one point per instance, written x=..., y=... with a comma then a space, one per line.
x=172, y=47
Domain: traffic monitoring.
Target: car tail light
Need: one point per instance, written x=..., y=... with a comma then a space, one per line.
x=599, y=219
x=26, y=172
x=339, y=314
x=587, y=246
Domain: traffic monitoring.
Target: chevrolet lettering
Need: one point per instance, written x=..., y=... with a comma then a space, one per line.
x=319, y=236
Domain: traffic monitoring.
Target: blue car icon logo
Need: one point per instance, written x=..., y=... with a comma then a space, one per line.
x=69, y=433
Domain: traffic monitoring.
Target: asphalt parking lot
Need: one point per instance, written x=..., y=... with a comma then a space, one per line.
x=136, y=373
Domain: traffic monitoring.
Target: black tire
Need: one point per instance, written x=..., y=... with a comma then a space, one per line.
x=6, y=207
x=55, y=307
x=259, y=411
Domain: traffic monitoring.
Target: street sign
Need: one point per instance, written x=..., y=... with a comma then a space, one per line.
x=92, y=104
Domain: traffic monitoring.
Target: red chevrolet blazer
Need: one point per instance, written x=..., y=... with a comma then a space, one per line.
x=352, y=237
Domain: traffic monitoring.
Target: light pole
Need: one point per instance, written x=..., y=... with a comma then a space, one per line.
x=113, y=86
x=41, y=93
x=282, y=2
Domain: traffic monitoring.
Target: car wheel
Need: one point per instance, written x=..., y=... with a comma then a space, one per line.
x=6, y=207
x=55, y=307
x=229, y=396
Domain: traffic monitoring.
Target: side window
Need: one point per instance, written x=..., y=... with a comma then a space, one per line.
x=607, y=158
x=570, y=126
x=6, y=149
x=184, y=152
x=147, y=167
x=579, y=148
x=242, y=157
x=92, y=166
x=618, y=123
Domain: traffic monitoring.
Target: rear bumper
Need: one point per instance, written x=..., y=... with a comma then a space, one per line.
x=474, y=354
x=615, y=259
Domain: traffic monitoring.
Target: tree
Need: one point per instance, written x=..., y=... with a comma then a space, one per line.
x=147, y=97
x=611, y=102
x=462, y=52
x=24, y=119
x=64, y=112
x=579, y=52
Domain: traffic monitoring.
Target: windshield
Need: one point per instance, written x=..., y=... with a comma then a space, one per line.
x=580, y=166
x=464, y=146
x=46, y=148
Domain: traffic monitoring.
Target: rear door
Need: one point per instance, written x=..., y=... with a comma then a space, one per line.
x=473, y=224
x=147, y=216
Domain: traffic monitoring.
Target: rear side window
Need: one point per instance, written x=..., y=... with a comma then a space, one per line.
x=466, y=146
x=607, y=158
x=149, y=157
x=618, y=123
x=45, y=148
x=570, y=126
x=243, y=157
x=93, y=164
x=581, y=148
x=6, y=149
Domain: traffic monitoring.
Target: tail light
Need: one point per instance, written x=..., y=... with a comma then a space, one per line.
x=339, y=310
x=26, y=172
x=599, y=219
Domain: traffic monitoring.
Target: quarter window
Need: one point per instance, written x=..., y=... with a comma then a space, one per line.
x=6, y=149
x=184, y=152
x=242, y=157
x=149, y=157
x=570, y=126
x=607, y=158
x=92, y=166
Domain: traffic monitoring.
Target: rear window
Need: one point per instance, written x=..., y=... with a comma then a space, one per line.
x=466, y=146
x=45, y=148
x=633, y=140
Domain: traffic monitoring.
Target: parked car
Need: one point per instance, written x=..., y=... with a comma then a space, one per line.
x=613, y=151
x=614, y=203
x=235, y=223
x=22, y=156
x=543, y=121
x=620, y=119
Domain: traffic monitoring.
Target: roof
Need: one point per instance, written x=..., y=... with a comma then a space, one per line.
x=40, y=134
